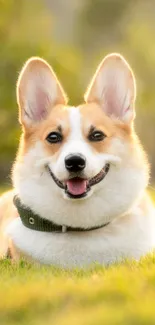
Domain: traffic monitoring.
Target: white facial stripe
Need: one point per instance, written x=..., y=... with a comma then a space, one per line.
x=75, y=123
x=76, y=142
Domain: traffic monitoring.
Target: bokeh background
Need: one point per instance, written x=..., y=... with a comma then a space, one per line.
x=74, y=35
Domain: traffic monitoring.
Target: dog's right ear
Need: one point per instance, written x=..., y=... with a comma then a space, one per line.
x=38, y=90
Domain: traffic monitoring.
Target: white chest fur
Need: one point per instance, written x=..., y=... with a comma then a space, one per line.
x=130, y=236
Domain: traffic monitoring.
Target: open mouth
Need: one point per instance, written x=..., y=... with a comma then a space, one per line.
x=77, y=187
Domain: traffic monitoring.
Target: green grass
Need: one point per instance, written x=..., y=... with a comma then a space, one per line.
x=119, y=295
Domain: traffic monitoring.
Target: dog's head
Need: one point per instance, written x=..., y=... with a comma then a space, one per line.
x=79, y=166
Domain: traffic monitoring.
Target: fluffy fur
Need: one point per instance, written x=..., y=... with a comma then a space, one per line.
x=120, y=198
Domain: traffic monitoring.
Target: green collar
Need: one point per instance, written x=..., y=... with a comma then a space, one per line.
x=35, y=222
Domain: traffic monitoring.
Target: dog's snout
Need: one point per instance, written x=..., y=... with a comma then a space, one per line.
x=75, y=163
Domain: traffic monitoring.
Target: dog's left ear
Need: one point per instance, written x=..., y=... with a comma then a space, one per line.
x=38, y=90
x=113, y=87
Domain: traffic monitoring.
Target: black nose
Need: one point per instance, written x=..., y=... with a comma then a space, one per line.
x=75, y=163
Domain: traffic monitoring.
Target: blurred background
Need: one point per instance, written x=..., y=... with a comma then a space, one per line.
x=74, y=35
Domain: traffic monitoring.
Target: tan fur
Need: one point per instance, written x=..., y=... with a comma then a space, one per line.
x=92, y=114
x=57, y=117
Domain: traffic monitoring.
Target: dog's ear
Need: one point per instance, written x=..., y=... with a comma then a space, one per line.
x=113, y=87
x=38, y=90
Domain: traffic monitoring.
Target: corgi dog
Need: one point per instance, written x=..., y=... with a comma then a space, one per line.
x=81, y=174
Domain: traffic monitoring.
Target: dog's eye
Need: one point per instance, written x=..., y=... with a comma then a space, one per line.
x=54, y=137
x=96, y=136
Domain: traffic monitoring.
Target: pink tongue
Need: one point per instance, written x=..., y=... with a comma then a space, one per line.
x=76, y=186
